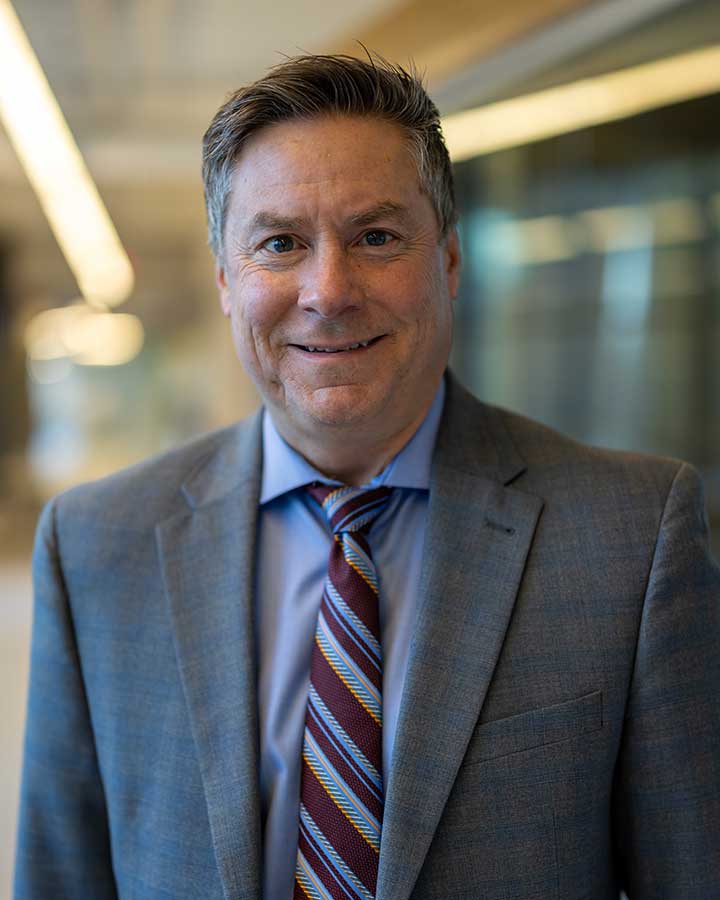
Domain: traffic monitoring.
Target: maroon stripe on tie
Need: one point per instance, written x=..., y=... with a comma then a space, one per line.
x=319, y=867
x=354, y=590
x=361, y=538
x=352, y=716
x=340, y=748
x=353, y=633
x=299, y=893
x=357, y=504
x=345, y=771
x=335, y=625
x=341, y=833
x=358, y=596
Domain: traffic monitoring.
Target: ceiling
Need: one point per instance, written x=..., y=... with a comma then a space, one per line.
x=138, y=81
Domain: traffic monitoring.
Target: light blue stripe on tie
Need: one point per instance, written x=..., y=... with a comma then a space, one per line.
x=357, y=681
x=335, y=500
x=349, y=630
x=357, y=557
x=326, y=863
x=356, y=622
x=345, y=753
x=364, y=817
x=309, y=879
x=347, y=800
x=351, y=880
x=331, y=725
x=359, y=517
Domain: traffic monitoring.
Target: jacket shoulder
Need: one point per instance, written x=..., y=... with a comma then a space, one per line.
x=153, y=488
x=478, y=435
x=556, y=459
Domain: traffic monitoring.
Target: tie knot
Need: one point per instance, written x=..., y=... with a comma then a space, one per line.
x=350, y=508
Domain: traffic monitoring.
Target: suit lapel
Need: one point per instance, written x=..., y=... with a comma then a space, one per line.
x=207, y=557
x=478, y=535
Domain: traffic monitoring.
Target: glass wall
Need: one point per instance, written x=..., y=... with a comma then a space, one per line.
x=591, y=293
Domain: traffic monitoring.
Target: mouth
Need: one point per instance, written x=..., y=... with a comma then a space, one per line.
x=356, y=347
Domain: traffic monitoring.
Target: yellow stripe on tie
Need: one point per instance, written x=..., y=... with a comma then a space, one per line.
x=330, y=499
x=339, y=675
x=350, y=796
x=352, y=665
x=337, y=805
x=311, y=877
x=355, y=568
x=302, y=886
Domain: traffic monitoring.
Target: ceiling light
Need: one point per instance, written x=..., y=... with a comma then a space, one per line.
x=677, y=220
x=105, y=339
x=590, y=101
x=57, y=172
x=83, y=335
x=616, y=228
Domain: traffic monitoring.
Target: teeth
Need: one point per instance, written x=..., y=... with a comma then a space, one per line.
x=339, y=349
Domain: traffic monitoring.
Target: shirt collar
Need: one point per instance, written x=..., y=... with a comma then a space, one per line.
x=284, y=469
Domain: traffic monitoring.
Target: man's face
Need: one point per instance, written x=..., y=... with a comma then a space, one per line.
x=336, y=283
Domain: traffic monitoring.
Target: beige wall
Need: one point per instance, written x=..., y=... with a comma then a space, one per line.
x=15, y=619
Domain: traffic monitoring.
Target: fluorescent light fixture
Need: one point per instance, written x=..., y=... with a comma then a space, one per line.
x=671, y=222
x=677, y=221
x=57, y=172
x=663, y=223
x=105, y=339
x=545, y=240
x=590, y=101
x=612, y=229
x=84, y=336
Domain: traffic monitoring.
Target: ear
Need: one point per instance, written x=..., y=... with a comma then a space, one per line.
x=452, y=262
x=221, y=282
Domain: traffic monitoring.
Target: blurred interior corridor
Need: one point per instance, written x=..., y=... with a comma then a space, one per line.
x=15, y=616
x=590, y=296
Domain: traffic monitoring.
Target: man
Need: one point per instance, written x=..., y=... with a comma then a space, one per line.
x=531, y=711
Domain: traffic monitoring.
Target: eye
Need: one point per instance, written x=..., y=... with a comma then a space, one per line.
x=377, y=238
x=280, y=243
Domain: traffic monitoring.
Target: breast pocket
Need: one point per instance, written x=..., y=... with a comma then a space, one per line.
x=536, y=728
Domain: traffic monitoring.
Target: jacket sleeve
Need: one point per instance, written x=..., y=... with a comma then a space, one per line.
x=63, y=847
x=666, y=801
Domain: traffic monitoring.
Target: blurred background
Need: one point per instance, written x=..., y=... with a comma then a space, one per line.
x=586, y=137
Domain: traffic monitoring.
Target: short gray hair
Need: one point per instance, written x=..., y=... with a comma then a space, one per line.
x=305, y=87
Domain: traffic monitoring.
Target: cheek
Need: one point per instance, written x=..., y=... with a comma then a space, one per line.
x=248, y=326
x=260, y=303
x=427, y=302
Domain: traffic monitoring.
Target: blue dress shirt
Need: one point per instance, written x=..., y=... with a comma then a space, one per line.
x=292, y=555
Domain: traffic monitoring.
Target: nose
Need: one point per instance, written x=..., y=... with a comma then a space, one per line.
x=330, y=283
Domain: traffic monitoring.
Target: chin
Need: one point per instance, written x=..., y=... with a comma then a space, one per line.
x=340, y=406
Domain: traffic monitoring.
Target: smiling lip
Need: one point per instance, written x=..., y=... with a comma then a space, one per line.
x=327, y=350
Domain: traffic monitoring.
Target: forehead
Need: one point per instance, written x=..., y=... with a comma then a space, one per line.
x=338, y=159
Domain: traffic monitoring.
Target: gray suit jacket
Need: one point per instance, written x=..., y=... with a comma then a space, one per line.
x=559, y=735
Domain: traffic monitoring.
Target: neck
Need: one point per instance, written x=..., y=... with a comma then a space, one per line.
x=350, y=458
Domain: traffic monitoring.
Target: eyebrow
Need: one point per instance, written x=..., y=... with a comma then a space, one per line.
x=387, y=210
x=268, y=221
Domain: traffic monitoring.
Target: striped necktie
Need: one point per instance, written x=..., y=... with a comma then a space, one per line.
x=341, y=795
